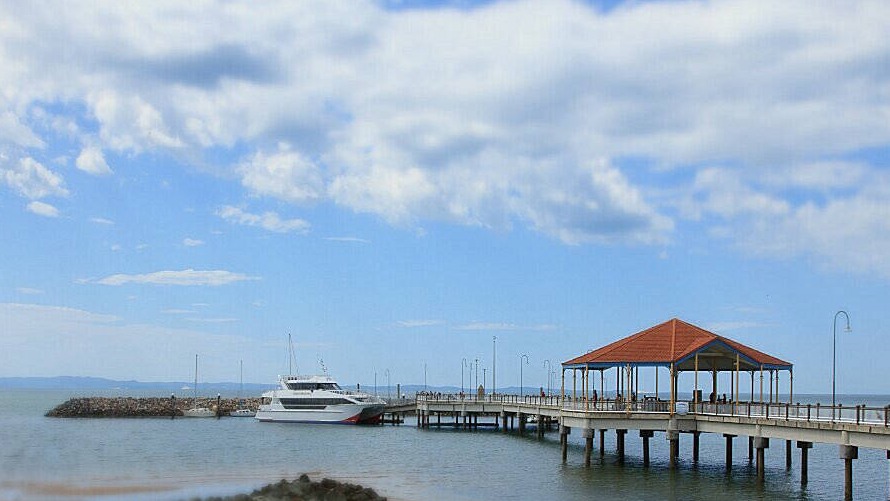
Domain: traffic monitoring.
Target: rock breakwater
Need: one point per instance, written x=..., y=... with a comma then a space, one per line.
x=121, y=407
x=304, y=489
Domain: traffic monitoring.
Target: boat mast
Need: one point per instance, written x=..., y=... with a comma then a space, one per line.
x=195, y=400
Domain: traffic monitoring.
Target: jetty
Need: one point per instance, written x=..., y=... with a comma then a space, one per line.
x=678, y=347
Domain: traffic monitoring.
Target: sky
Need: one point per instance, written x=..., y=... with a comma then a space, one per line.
x=415, y=190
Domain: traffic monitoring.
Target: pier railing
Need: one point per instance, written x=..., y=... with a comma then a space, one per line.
x=858, y=414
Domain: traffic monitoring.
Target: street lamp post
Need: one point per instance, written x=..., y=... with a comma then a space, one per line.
x=494, y=361
x=522, y=358
x=477, y=375
x=463, y=368
x=549, y=366
x=834, y=353
x=483, y=379
x=424, y=376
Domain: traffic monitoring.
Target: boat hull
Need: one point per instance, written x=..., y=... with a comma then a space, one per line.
x=332, y=414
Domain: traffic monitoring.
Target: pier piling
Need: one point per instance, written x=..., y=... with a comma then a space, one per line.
x=760, y=443
x=564, y=440
x=619, y=434
x=728, y=451
x=804, y=452
x=787, y=454
x=848, y=453
x=587, y=433
x=646, y=435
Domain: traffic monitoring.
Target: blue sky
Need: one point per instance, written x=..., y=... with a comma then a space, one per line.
x=396, y=183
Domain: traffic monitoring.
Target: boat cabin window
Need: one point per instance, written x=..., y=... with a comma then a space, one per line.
x=293, y=385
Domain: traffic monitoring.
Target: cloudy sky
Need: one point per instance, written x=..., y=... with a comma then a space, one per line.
x=397, y=183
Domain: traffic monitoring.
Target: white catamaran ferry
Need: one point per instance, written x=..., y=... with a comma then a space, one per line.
x=318, y=399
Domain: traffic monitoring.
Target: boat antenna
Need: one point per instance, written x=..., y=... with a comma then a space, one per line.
x=324, y=369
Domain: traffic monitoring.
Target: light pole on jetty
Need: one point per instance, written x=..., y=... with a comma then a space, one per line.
x=834, y=353
x=548, y=365
x=424, y=376
x=477, y=375
x=387, y=385
x=494, y=361
x=463, y=368
x=522, y=358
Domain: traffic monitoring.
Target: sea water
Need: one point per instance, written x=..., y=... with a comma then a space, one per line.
x=155, y=458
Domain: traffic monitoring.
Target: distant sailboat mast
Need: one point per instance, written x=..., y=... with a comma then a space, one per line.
x=195, y=399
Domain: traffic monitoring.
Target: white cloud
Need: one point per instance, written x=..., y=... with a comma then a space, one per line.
x=92, y=161
x=348, y=239
x=495, y=326
x=191, y=242
x=270, y=221
x=183, y=277
x=529, y=113
x=34, y=181
x=418, y=323
x=285, y=174
x=43, y=209
x=29, y=291
x=101, y=220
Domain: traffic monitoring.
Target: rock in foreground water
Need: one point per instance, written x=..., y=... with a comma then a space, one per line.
x=304, y=489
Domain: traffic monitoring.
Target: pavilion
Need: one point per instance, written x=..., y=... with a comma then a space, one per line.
x=680, y=347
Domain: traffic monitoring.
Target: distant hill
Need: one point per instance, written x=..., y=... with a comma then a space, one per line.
x=97, y=383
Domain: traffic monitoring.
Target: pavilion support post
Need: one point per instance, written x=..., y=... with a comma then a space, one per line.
x=737, y=374
x=574, y=388
x=804, y=453
x=714, y=385
x=587, y=433
x=646, y=435
x=602, y=385
x=790, y=386
x=673, y=389
x=728, y=438
x=761, y=385
x=695, y=401
x=656, y=382
x=562, y=387
x=848, y=453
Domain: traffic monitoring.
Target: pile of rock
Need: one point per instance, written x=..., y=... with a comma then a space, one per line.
x=118, y=407
x=304, y=489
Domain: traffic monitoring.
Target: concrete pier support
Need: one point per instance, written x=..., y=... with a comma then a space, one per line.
x=673, y=437
x=761, y=444
x=848, y=453
x=619, y=434
x=788, y=454
x=587, y=433
x=540, y=426
x=728, y=438
x=603, y=444
x=695, y=435
x=646, y=435
x=504, y=421
x=750, y=449
x=522, y=418
x=564, y=432
x=804, y=452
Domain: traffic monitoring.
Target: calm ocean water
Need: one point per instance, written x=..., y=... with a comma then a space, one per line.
x=109, y=459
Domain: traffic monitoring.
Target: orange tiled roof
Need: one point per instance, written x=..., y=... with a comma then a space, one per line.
x=671, y=341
